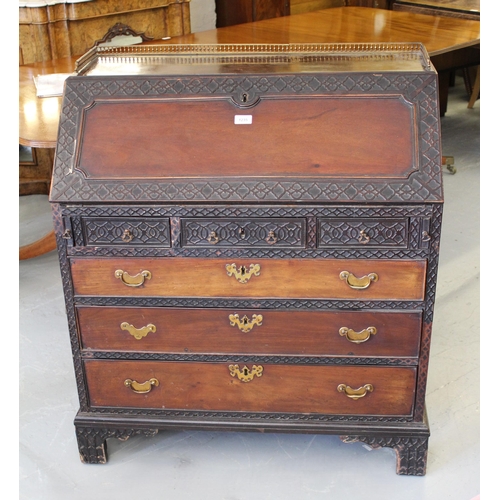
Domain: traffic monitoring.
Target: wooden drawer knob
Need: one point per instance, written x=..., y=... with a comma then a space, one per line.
x=358, y=283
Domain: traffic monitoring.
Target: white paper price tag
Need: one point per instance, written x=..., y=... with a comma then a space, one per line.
x=243, y=119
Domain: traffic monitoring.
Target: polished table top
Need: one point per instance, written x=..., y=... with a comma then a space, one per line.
x=470, y=6
x=39, y=117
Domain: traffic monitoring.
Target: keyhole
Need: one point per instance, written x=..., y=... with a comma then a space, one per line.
x=241, y=231
x=244, y=97
x=246, y=371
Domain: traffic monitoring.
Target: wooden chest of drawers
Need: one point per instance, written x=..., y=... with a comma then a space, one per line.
x=248, y=239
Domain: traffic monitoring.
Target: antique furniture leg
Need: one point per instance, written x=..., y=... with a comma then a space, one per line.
x=92, y=440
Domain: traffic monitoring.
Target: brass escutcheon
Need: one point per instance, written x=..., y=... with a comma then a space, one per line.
x=245, y=374
x=138, y=333
x=243, y=274
x=143, y=388
x=136, y=280
x=245, y=324
x=271, y=238
x=355, y=393
x=213, y=238
x=357, y=337
x=127, y=236
x=358, y=283
x=363, y=237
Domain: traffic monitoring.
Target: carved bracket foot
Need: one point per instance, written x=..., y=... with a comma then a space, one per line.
x=411, y=452
x=92, y=441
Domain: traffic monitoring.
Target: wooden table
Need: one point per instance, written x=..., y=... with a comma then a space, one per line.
x=450, y=42
x=38, y=124
x=464, y=9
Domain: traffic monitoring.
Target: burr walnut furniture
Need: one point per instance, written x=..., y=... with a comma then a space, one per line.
x=60, y=28
x=248, y=238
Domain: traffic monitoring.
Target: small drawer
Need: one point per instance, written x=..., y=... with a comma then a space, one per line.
x=255, y=331
x=344, y=390
x=233, y=232
x=359, y=232
x=265, y=278
x=125, y=231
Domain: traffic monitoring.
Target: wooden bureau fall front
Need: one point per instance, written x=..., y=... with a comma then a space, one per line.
x=248, y=238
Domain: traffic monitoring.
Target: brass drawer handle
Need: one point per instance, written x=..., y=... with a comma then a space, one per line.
x=143, y=388
x=357, y=337
x=213, y=238
x=245, y=324
x=355, y=393
x=138, y=333
x=245, y=374
x=243, y=274
x=271, y=238
x=127, y=236
x=136, y=280
x=358, y=283
x=363, y=237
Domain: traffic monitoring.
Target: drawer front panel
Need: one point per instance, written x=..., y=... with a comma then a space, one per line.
x=129, y=231
x=338, y=333
x=273, y=278
x=363, y=233
x=243, y=232
x=270, y=388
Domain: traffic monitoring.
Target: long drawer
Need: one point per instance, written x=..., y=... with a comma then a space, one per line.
x=349, y=333
x=273, y=278
x=262, y=388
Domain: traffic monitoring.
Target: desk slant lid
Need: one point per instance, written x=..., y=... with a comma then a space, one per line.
x=250, y=123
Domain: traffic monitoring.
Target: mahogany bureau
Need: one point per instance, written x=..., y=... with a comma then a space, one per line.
x=248, y=238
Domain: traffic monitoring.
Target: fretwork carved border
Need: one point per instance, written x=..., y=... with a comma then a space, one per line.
x=81, y=91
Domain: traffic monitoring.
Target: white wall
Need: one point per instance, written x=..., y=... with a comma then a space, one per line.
x=202, y=15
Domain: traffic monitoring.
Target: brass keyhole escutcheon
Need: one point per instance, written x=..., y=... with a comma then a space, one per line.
x=363, y=237
x=213, y=238
x=246, y=374
x=245, y=324
x=241, y=232
x=243, y=274
x=271, y=238
x=355, y=394
x=127, y=236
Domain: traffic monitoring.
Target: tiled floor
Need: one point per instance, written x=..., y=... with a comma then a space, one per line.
x=240, y=466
